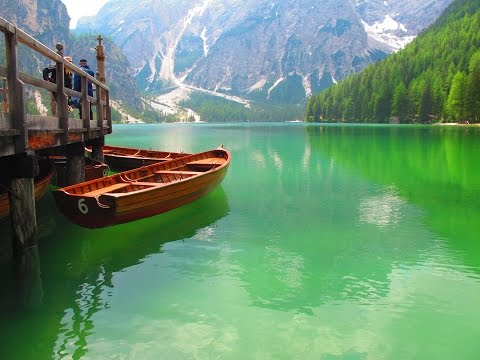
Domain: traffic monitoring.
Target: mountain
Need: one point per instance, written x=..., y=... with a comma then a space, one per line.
x=396, y=23
x=434, y=78
x=45, y=20
x=263, y=50
x=259, y=59
x=48, y=22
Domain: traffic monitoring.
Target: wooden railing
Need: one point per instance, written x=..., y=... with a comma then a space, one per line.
x=19, y=131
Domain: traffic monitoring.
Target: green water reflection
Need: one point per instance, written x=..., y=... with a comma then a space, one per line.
x=323, y=242
x=434, y=167
x=77, y=266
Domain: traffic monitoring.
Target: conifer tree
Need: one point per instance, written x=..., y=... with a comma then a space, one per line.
x=472, y=92
x=454, y=108
x=400, y=102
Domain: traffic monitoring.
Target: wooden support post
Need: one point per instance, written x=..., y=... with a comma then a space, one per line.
x=28, y=285
x=100, y=112
x=97, y=149
x=23, y=168
x=101, y=77
x=109, y=113
x=85, y=106
x=59, y=47
x=62, y=101
x=53, y=95
x=29, y=281
x=75, y=163
x=5, y=95
x=16, y=93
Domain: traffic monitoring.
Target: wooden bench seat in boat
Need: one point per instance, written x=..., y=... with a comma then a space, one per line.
x=205, y=164
x=134, y=187
x=177, y=172
x=146, y=183
x=217, y=161
x=106, y=189
x=116, y=187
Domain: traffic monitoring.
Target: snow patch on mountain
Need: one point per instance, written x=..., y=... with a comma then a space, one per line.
x=258, y=85
x=167, y=67
x=386, y=32
x=274, y=86
x=203, y=36
x=307, y=85
x=168, y=103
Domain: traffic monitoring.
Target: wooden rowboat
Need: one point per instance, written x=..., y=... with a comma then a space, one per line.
x=144, y=191
x=40, y=186
x=124, y=158
x=93, y=170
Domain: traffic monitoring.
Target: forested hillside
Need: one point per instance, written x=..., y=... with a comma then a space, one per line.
x=435, y=78
x=215, y=109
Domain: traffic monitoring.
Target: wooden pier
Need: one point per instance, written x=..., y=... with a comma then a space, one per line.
x=25, y=137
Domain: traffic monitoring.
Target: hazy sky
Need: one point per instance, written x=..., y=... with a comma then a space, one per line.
x=78, y=8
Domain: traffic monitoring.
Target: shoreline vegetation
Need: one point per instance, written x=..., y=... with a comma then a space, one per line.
x=309, y=122
x=435, y=77
x=456, y=124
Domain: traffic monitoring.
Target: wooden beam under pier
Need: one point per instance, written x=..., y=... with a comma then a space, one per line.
x=75, y=163
x=97, y=149
x=23, y=168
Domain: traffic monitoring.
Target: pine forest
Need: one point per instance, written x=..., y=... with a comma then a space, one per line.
x=436, y=78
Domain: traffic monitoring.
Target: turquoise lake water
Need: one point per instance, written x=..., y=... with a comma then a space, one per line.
x=322, y=242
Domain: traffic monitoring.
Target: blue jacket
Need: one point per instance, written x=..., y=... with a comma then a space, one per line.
x=77, y=84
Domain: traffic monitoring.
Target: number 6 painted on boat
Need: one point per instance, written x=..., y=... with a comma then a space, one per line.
x=82, y=206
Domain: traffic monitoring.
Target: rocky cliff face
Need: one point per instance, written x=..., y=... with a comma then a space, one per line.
x=261, y=49
x=45, y=20
x=280, y=47
x=48, y=22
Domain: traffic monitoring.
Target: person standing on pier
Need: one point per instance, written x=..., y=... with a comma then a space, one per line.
x=77, y=84
x=50, y=74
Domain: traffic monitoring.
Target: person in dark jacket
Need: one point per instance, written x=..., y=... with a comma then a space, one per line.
x=50, y=74
x=77, y=84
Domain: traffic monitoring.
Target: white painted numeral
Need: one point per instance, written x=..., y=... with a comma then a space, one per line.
x=82, y=206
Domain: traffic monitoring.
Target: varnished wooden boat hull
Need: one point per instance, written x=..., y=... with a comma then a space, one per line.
x=39, y=188
x=126, y=196
x=124, y=158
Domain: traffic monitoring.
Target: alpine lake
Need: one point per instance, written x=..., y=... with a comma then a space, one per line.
x=322, y=242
